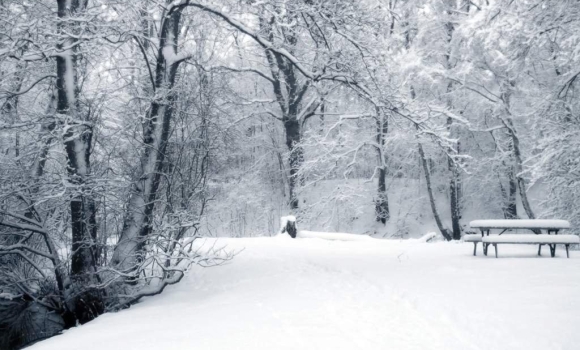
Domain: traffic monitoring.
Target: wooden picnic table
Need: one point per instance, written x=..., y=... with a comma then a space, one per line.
x=535, y=225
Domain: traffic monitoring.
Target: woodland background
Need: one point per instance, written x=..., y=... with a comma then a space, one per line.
x=129, y=128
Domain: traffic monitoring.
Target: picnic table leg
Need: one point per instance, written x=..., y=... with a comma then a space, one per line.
x=539, y=250
x=567, y=251
x=484, y=244
x=552, y=250
x=474, y=248
x=495, y=246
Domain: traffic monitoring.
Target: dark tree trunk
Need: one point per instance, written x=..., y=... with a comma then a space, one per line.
x=296, y=157
x=518, y=170
x=454, y=202
x=290, y=228
x=511, y=209
x=459, y=184
x=382, y=202
x=453, y=168
x=86, y=304
x=289, y=92
x=445, y=232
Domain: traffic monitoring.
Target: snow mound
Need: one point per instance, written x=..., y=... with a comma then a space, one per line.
x=339, y=236
x=335, y=236
x=425, y=238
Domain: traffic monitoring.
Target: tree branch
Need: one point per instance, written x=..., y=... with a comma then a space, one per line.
x=146, y=60
x=9, y=94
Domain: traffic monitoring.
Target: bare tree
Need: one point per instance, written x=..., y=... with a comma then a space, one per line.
x=137, y=225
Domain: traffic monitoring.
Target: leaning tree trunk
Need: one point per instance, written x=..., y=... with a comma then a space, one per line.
x=137, y=224
x=382, y=202
x=518, y=165
x=516, y=150
x=427, y=172
x=77, y=139
x=445, y=232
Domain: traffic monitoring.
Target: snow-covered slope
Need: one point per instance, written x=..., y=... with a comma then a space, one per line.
x=312, y=293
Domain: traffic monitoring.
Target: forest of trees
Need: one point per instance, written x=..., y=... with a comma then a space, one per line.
x=129, y=128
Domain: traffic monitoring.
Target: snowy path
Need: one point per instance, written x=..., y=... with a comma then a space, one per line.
x=318, y=294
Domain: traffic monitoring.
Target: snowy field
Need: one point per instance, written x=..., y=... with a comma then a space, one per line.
x=313, y=293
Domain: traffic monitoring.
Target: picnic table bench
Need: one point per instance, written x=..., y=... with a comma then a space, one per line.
x=550, y=226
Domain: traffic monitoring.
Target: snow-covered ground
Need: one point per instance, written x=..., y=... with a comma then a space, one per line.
x=312, y=293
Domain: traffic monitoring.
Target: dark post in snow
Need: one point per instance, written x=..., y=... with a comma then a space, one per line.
x=288, y=224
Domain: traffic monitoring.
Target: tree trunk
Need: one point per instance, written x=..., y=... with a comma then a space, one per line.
x=445, y=232
x=426, y=170
x=519, y=169
x=289, y=93
x=382, y=202
x=9, y=109
x=459, y=184
x=129, y=250
x=511, y=209
x=289, y=226
x=77, y=140
x=296, y=157
x=516, y=151
x=454, y=200
x=453, y=169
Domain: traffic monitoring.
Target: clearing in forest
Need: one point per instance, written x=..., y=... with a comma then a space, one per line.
x=312, y=293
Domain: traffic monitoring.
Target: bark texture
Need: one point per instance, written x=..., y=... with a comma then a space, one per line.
x=382, y=202
x=289, y=92
x=454, y=181
x=86, y=304
x=511, y=209
x=137, y=225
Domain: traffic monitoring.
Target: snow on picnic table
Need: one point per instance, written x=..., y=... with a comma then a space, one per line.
x=312, y=293
x=520, y=223
x=531, y=238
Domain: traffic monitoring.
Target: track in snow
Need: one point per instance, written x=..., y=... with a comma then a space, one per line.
x=311, y=293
